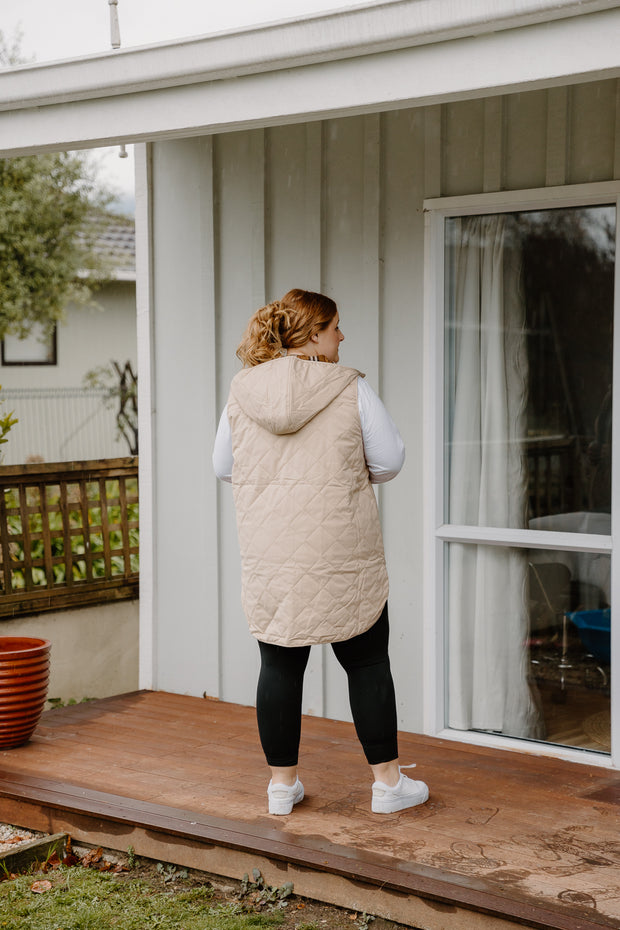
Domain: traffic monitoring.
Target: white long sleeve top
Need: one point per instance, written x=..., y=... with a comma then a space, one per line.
x=384, y=449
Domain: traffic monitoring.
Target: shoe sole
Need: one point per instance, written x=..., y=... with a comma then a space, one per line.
x=379, y=806
x=282, y=808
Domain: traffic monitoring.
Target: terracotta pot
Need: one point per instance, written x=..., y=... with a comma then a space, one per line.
x=24, y=679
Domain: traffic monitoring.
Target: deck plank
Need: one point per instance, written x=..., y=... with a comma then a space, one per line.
x=506, y=837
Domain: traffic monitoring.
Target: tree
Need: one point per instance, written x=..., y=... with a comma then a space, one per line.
x=47, y=233
x=121, y=386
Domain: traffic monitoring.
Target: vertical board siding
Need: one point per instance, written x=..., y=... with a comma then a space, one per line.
x=524, y=157
x=211, y=524
x=294, y=204
x=433, y=132
x=186, y=645
x=337, y=206
x=313, y=204
x=352, y=276
x=411, y=157
x=463, y=148
x=616, y=143
x=350, y=234
x=558, y=121
x=371, y=243
x=591, y=141
x=295, y=186
x=238, y=170
x=259, y=216
x=286, y=203
x=343, y=201
x=493, y=144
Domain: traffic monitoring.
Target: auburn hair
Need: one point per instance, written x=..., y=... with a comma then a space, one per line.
x=288, y=323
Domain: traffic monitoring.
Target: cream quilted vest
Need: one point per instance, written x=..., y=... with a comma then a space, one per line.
x=313, y=568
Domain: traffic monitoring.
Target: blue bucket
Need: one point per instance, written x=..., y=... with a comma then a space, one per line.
x=594, y=627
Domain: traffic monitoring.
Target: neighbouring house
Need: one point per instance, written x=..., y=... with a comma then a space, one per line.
x=69, y=573
x=61, y=418
x=450, y=174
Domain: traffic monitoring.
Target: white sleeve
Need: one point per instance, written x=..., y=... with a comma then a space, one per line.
x=383, y=447
x=222, y=450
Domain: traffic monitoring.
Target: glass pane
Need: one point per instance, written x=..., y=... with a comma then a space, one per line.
x=529, y=644
x=529, y=331
x=37, y=348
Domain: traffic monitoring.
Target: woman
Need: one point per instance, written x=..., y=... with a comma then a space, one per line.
x=302, y=439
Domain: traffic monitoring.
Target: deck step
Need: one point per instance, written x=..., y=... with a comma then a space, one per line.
x=507, y=840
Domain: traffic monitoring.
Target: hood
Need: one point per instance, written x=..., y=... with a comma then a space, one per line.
x=286, y=393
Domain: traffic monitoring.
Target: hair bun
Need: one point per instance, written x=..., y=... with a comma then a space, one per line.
x=283, y=324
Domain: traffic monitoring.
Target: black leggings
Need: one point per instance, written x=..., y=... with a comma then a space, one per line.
x=371, y=695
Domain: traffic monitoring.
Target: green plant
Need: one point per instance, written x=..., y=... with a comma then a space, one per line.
x=52, y=853
x=170, y=873
x=7, y=422
x=262, y=893
x=120, y=384
x=58, y=702
x=364, y=921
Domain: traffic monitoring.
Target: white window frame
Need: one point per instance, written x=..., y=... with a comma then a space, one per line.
x=436, y=533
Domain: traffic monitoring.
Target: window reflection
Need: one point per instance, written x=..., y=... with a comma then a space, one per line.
x=568, y=281
x=528, y=351
x=568, y=646
x=534, y=664
x=529, y=337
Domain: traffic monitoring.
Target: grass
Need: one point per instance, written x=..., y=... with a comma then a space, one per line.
x=89, y=889
x=84, y=899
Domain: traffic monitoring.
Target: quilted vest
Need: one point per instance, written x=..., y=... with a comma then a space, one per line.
x=313, y=567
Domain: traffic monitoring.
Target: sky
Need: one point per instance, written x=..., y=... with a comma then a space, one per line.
x=57, y=29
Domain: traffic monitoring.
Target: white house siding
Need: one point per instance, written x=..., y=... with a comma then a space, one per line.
x=90, y=336
x=334, y=206
x=59, y=421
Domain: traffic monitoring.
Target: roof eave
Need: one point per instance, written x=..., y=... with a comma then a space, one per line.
x=362, y=30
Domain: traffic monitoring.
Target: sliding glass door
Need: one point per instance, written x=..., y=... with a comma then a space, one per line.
x=527, y=457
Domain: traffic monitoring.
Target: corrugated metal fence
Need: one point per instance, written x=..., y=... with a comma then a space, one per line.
x=60, y=425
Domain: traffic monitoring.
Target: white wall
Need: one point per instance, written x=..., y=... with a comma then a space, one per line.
x=94, y=649
x=89, y=337
x=58, y=419
x=335, y=206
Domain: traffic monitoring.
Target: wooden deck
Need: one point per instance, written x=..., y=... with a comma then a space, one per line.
x=507, y=839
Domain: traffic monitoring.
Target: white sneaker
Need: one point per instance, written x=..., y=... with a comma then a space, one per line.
x=283, y=797
x=407, y=793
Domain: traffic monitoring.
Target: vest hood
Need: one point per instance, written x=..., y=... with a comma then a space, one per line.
x=284, y=394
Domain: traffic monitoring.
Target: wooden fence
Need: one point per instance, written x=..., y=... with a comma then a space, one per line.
x=69, y=535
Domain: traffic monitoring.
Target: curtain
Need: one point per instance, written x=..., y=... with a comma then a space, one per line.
x=487, y=597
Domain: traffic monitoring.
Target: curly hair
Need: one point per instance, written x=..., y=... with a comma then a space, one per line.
x=288, y=323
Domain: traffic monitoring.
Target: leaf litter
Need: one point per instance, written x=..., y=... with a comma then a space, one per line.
x=102, y=889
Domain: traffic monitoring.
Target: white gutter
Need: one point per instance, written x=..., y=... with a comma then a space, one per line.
x=166, y=91
x=362, y=30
